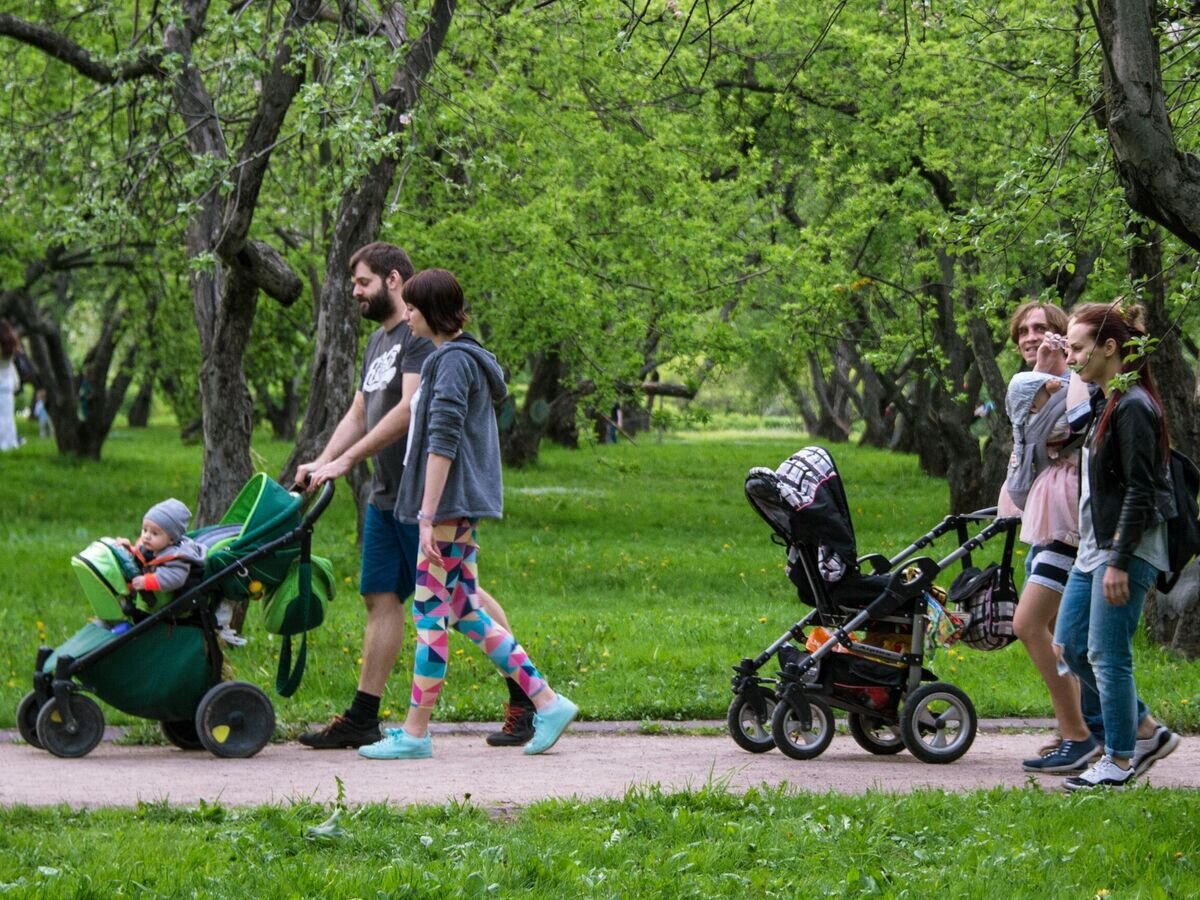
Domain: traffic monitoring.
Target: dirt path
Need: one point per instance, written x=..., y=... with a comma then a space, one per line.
x=585, y=764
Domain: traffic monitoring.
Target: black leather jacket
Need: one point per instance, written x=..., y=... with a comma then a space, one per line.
x=1127, y=475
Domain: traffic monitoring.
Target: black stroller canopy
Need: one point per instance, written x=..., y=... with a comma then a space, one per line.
x=809, y=483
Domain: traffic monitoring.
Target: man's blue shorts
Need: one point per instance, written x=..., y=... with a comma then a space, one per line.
x=389, y=556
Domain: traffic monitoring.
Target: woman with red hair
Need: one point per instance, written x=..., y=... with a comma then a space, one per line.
x=1125, y=500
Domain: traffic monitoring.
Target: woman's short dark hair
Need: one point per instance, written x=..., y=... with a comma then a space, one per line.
x=383, y=259
x=438, y=297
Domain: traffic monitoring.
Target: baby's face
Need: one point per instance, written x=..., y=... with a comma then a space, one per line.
x=153, y=537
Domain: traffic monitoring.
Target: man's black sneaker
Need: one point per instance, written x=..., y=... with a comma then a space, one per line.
x=341, y=733
x=517, y=728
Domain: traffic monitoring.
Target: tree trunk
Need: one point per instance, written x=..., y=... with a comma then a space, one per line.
x=334, y=380
x=1173, y=620
x=1161, y=181
x=228, y=411
x=139, y=410
x=519, y=445
x=1173, y=375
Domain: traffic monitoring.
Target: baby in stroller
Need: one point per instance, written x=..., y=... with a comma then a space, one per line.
x=166, y=556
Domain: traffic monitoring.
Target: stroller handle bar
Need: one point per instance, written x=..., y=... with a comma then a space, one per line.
x=314, y=508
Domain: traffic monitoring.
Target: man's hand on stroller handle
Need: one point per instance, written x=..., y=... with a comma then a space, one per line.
x=312, y=475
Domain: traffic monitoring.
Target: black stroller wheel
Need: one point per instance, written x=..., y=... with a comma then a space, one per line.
x=938, y=723
x=874, y=735
x=750, y=730
x=27, y=713
x=790, y=735
x=27, y=720
x=182, y=734
x=235, y=720
x=54, y=735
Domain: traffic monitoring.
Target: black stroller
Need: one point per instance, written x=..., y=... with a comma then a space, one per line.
x=880, y=680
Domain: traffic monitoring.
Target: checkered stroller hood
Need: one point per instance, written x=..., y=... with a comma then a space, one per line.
x=809, y=483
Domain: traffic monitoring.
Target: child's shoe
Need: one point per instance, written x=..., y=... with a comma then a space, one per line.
x=549, y=724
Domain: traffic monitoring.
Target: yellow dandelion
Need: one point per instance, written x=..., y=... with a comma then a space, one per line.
x=41, y=626
x=724, y=546
x=583, y=669
x=360, y=660
x=762, y=620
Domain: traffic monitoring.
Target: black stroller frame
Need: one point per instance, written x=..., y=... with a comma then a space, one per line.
x=74, y=723
x=892, y=700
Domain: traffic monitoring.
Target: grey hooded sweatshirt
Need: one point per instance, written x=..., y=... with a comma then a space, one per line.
x=455, y=417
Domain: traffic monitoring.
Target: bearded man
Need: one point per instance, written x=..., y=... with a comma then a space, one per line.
x=376, y=426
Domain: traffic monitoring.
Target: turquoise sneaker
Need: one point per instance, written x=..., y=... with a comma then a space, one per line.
x=549, y=724
x=398, y=744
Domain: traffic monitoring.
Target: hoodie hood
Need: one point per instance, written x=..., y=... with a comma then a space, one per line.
x=488, y=364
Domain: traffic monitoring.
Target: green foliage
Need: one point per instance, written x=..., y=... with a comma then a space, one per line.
x=700, y=843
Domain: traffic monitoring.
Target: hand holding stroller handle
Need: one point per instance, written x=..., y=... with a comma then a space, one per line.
x=318, y=506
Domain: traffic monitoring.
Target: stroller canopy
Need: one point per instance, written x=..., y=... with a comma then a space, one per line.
x=810, y=484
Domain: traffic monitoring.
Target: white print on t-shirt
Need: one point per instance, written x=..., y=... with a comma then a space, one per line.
x=382, y=371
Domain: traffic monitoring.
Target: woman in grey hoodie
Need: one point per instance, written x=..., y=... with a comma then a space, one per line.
x=452, y=479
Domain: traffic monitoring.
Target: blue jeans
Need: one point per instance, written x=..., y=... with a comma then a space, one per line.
x=1097, y=644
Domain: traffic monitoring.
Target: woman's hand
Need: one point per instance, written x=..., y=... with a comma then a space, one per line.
x=1116, y=586
x=429, y=547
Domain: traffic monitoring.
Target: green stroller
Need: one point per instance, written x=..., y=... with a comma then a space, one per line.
x=160, y=658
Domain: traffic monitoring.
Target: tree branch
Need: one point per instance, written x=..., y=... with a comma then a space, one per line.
x=58, y=46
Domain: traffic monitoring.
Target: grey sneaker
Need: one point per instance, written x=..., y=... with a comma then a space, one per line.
x=1069, y=756
x=1150, y=750
x=1104, y=774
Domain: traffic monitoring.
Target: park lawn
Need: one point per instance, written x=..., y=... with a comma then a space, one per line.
x=702, y=843
x=635, y=576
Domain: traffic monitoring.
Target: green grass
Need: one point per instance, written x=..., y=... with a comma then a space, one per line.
x=703, y=843
x=634, y=575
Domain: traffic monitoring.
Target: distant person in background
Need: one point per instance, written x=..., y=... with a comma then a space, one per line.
x=10, y=383
x=42, y=414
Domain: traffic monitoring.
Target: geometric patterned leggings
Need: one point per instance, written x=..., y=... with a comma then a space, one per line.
x=447, y=595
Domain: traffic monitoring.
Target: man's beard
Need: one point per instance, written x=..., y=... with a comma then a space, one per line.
x=380, y=305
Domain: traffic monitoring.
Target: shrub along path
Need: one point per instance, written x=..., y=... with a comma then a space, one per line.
x=594, y=760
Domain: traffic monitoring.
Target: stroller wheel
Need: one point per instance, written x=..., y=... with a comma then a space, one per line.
x=235, y=719
x=27, y=713
x=937, y=723
x=790, y=734
x=52, y=727
x=749, y=729
x=182, y=734
x=874, y=735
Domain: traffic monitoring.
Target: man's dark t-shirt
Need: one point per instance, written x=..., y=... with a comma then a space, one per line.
x=390, y=355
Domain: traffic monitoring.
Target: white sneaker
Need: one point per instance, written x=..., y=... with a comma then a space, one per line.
x=1105, y=773
x=1148, y=751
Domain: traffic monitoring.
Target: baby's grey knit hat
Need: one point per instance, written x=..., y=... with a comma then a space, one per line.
x=171, y=516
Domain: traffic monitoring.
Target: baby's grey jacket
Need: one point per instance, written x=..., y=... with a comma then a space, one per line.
x=461, y=385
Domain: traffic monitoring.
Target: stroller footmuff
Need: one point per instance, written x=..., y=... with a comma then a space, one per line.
x=862, y=648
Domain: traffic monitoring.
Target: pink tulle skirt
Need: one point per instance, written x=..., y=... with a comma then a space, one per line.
x=1052, y=508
